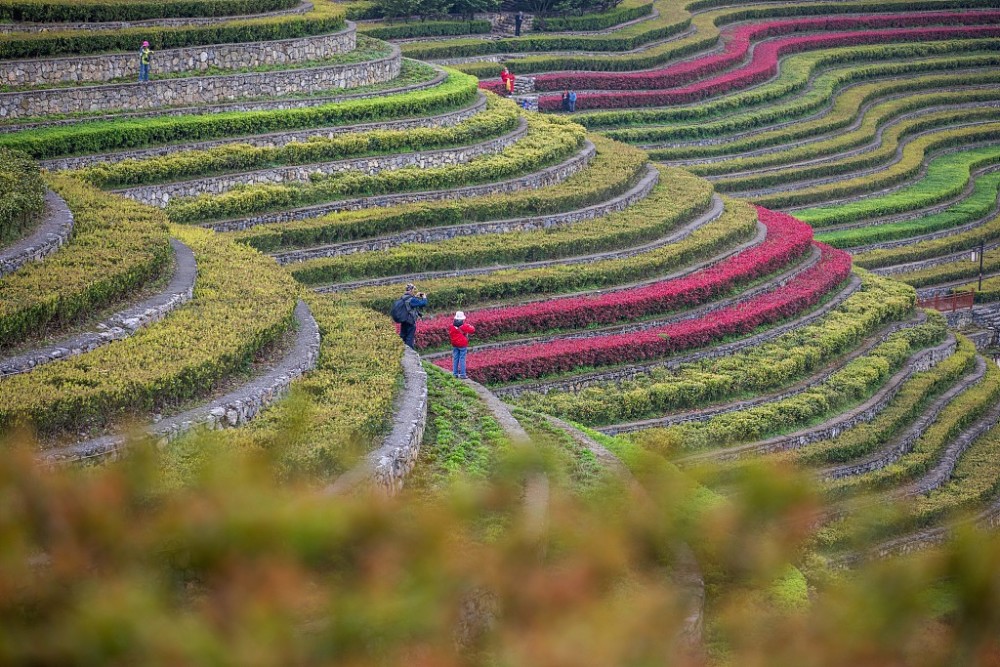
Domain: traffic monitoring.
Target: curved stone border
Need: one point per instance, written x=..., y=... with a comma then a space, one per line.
x=774, y=282
x=199, y=90
x=714, y=212
x=109, y=66
x=243, y=106
x=120, y=325
x=704, y=414
x=233, y=409
x=302, y=8
x=902, y=443
x=47, y=237
x=932, y=261
x=274, y=139
x=867, y=411
x=549, y=176
x=161, y=194
x=433, y=234
x=386, y=468
x=618, y=375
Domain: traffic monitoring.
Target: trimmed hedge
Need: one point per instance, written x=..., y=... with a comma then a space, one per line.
x=326, y=17
x=93, y=11
x=547, y=142
x=763, y=368
x=117, y=247
x=100, y=136
x=500, y=118
x=692, y=196
x=242, y=302
x=413, y=29
x=614, y=169
x=623, y=13
x=22, y=195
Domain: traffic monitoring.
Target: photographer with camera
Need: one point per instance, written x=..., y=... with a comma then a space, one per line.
x=406, y=311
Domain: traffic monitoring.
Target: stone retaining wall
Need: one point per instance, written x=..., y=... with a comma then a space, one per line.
x=120, y=325
x=233, y=409
x=199, y=90
x=386, y=468
x=436, y=234
x=273, y=139
x=538, y=179
x=48, y=237
x=161, y=194
x=109, y=66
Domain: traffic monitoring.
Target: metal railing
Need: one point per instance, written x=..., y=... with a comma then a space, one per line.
x=949, y=302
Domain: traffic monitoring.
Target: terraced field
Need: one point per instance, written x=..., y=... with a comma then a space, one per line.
x=715, y=260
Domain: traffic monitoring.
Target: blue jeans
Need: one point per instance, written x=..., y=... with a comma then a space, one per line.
x=143, y=72
x=458, y=361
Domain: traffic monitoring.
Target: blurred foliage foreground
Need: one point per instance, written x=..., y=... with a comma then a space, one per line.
x=108, y=565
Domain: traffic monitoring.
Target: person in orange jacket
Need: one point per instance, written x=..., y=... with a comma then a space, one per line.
x=508, y=80
x=460, y=332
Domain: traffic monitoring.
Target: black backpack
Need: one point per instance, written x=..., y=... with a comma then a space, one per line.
x=401, y=312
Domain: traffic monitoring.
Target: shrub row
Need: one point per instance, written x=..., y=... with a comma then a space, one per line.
x=100, y=136
x=92, y=11
x=738, y=43
x=848, y=386
x=623, y=13
x=946, y=176
x=965, y=409
x=560, y=356
x=988, y=293
x=943, y=273
x=500, y=117
x=843, y=114
x=737, y=224
x=117, y=246
x=22, y=195
x=614, y=169
x=892, y=140
x=547, y=142
x=763, y=368
x=763, y=66
x=787, y=240
x=324, y=18
x=643, y=222
x=805, y=72
x=977, y=205
x=413, y=29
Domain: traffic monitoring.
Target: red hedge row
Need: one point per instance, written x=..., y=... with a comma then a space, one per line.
x=559, y=356
x=787, y=239
x=763, y=67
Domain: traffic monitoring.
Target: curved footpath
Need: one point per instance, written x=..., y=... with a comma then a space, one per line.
x=47, y=237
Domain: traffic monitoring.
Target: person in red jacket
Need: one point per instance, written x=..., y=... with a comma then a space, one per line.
x=507, y=77
x=460, y=332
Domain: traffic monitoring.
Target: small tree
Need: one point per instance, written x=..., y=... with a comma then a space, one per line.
x=470, y=7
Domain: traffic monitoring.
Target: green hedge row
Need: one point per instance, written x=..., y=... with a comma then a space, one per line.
x=944, y=273
x=736, y=225
x=86, y=138
x=640, y=223
x=910, y=164
x=843, y=113
x=946, y=177
x=117, y=246
x=92, y=11
x=413, y=29
x=623, y=13
x=324, y=18
x=22, y=195
x=547, y=142
x=848, y=386
x=612, y=172
x=242, y=302
x=764, y=368
x=500, y=117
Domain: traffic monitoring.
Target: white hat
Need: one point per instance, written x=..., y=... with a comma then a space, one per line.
x=459, y=315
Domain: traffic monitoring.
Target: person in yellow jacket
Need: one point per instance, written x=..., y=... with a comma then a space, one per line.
x=145, y=55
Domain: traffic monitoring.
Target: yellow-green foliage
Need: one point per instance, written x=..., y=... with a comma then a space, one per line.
x=117, y=245
x=242, y=302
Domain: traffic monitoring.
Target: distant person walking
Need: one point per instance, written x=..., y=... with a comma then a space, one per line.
x=145, y=56
x=508, y=80
x=565, y=100
x=460, y=332
x=518, y=20
x=406, y=311
x=570, y=101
